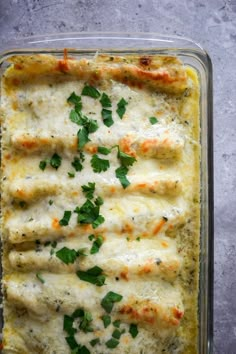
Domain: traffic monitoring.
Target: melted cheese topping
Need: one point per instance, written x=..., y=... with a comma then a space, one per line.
x=150, y=233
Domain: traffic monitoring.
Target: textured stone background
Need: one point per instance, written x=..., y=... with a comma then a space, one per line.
x=211, y=23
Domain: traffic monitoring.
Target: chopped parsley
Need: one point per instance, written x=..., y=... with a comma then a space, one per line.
x=96, y=245
x=116, y=323
x=85, y=324
x=109, y=299
x=107, y=117
x=93, y=275
x=106, y=320
x=99, y=201
x=103, y=150
x=125, y=159
x=67, y=255
x=133, y=330
x=55, y=161
x=94, y=342
x=50, y=202
x=66, y=218
x=42, y=164
x=88, y=213
x=91, y=237
x=88, y=190
x=90, y=91
x=98, y=164
x=71, y=174
x=76, y=117
x=72, y=343
x=68, y=325
x=117, y=334
x=40, y=278
x=76, y=100
x=121, y=107
x=153, y=120
x=105, y=100
x=112, y=343
x=83, y=138
x=121, y=173
x=77, y=164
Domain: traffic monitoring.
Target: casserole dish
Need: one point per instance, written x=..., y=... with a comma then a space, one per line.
x=148, y=46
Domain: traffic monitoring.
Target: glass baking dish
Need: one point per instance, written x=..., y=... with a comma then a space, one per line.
x=88, y=44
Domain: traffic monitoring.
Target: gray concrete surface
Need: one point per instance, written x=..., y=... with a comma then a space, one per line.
x=211, y=23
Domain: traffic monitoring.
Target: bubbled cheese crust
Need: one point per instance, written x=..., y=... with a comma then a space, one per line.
x=151, y=229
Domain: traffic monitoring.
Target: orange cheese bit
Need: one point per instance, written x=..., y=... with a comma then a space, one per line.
x=159, y=226
x=55, y=224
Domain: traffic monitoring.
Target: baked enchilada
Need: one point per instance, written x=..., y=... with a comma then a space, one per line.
x=100, y=205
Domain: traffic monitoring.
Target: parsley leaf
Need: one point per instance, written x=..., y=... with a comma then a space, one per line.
x=68, y=325
x=121, y=173
x=107, y=117
x=99, y=201
x=83, y=350
x=81, y=252
x=98, y=164
x=74, y=99
x=42, y=164
x=105, y=100
x=75, y=117
x=66, y=218
x=88, y=190
x=55, y=161
x=77, y=164
x=86, y=321
x=121, y=107
x=72, y=342
x=109, y=299
x=116, y=323
x=103, y=150
x=82, y=137
x=106, y=320
x=95, y=341
x=133, y=330
x=125, y=159
x=91, y=237
x=40, y=278
x=91, y=125
x=116, y=334
x=71, y=174
x=88, y=213
x=93, y=275
x=67, y=255
x=153, y=120
x=96, y=245
x=90, y=91
x=112, y=343
x=100, y=220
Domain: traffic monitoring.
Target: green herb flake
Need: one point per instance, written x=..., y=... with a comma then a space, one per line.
x=96, y=245
x=98, y=164
x=66, y=218
x=116, y=323
x=105, y=100
x=121, y=107
x=103, y=150
x=72, y=343
x=50, y=202
x=91, y=237
x=107, y=117
x=121, y=173
x=90, y=91
x=83, y=350
x=100, y=220
x=116, y=334
x=67, y=255
x=133, y=330
x=94, y=342
x=106, y=320
x=71, y=174
x=55, y=161
x=68, y=325
x=42, y=165
x=112, y=343
x=98, y=201
x=81, y=252
x=138, y=239
x=108, y=301
x=88, y=213
x=54, y=244
x=85, y=324
x=88, y=190
x=76, y=117
x=125, y=159
x=77, y=164
x=153, y=120
x=93, y=275
x=74, y=99
x=83, y=138
x=40, y=278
